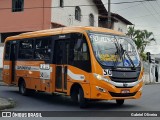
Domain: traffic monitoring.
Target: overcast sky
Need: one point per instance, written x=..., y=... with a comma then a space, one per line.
x=145, y=15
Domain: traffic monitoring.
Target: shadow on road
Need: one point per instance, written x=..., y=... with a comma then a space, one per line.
x=66, y=101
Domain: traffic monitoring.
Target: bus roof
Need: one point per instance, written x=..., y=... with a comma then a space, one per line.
x=62, y=30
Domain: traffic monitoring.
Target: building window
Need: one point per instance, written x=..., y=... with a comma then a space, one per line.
x=91, y=19
x=17, y=5
x=78, y=13
x=61, y=3
x=120, y=30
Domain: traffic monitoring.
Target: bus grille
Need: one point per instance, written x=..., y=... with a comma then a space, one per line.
x=126, y=80
x=125, y=76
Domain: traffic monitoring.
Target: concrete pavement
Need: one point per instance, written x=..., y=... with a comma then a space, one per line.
x=6, y=103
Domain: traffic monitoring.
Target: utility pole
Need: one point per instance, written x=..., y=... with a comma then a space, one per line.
x=109, y=14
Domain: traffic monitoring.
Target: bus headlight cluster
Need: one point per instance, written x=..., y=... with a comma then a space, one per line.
x=100, y=77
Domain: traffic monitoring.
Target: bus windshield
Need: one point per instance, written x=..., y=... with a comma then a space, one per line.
x=113, y=50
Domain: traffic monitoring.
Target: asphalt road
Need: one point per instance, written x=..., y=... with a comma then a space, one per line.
x=150, y=101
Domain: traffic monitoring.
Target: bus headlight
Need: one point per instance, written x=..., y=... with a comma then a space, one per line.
x=100, y=77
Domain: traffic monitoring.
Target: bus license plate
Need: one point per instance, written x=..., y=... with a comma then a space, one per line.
x=125, y=91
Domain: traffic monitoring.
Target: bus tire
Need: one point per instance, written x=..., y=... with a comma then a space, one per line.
x=74, y=96
x=120, y=102
x=22, y=88
x=82, y=101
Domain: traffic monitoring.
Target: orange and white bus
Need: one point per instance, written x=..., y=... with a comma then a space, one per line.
x=86, y=63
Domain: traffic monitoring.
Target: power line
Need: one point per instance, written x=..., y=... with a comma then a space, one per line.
x=84, y=5
x=154, y=8
x=151, y=12
x=133, y=2
x=158, y=4
x=128, y=7
x=141, y=16
x=154, y=27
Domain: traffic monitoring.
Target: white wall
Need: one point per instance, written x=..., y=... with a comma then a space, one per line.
x=66, y=15
x=120, y=26
x=1, y=57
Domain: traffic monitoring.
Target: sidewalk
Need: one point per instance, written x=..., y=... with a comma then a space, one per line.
x=6, y=103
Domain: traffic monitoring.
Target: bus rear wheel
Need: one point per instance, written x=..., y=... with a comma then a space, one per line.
x=22, y=88
x=120, y=102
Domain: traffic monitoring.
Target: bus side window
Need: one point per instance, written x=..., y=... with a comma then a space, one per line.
x=26, y=49
x=7, y=51
x=42, y=48
x=81, y=54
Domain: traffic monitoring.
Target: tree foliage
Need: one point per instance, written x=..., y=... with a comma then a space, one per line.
x=141, y=38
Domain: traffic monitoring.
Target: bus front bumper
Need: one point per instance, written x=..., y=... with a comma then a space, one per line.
x=110, y=92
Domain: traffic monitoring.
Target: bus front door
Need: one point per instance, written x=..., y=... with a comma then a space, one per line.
x=61, y=60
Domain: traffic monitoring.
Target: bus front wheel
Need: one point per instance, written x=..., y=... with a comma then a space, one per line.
x=82, y=101
x=120, y=102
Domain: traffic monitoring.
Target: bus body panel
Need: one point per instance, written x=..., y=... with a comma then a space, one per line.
x=31, y=73
x=42, y=76
x=84, y=80
x=7, y=72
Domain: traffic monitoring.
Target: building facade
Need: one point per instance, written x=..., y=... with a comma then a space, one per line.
x=18, y=16
x=118, y=22
x=74, y=13
x=121, y=26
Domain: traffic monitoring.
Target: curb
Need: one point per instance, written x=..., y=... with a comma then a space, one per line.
x=2, y=83
x=7, y=103
x=152, y=83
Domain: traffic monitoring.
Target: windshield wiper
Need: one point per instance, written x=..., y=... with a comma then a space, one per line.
x=124, y=51
x=116, y=53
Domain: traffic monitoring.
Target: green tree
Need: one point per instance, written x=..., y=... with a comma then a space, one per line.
x=141, y=38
